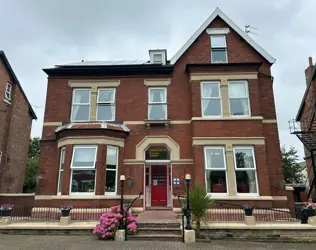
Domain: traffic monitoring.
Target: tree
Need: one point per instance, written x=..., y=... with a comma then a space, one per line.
x=32, y=166
x=292, y=170
x=200, y=202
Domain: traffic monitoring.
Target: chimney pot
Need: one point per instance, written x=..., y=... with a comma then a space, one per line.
x=310, y=61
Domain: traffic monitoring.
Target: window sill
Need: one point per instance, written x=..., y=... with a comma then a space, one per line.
x=229, y=118
x=243, y=198
x=84, y=197
x=165, y=123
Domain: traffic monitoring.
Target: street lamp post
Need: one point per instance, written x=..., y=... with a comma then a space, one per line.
x=188, y=214
x=122, y=179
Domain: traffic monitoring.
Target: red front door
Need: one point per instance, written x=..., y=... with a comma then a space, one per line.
x=159, y=185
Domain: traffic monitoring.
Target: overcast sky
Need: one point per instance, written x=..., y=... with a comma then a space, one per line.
x=36, y=34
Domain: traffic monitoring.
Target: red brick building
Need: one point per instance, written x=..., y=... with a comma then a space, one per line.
x=16, y=115
x=304, y=127
x=208, y=111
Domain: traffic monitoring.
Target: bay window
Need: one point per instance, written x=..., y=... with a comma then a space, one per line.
x=83, y=169
x=245, y=169
x=157, y=103
x=215, y=170
x=211, y=99
x=218, y=49
x=111, y=170
x=238, y=98
x=106, y=105
x=61, y=170
x=80, y=110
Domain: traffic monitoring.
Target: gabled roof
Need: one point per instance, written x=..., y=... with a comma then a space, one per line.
x=312, y=77
x=11, y=72
x=239, y=31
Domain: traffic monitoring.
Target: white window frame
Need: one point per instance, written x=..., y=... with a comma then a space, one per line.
x=218, y=48
x=83, y=168
x=163, y=57
x=82, y=104
x=244, y=169
x=8, y=92
x=113, y=103
x=62, y=152
x=215, y=169
x=110, y=169
x=247, y=96
x=153, y=103
x=211, y=98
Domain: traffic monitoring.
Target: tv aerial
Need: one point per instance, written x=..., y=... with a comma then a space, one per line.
x=250, y=30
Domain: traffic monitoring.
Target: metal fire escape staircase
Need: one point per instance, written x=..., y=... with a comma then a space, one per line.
x=305, y=130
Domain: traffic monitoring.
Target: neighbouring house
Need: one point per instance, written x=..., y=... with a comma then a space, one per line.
x=304, y=127
x=16, y=115
x=208, y=111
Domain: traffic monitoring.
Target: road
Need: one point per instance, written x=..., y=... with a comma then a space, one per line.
x=60, y=242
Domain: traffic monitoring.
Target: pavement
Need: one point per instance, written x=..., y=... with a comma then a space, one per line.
x=61, y=242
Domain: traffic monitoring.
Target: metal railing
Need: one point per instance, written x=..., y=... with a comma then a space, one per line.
x=223, y=214
x=19, y=213
x=35, y=213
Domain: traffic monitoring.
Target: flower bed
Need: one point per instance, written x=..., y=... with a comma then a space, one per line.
x=109, y=223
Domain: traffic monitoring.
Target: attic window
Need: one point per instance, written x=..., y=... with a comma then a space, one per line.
x=218, y=49
x=8, y=91
x=158, y=56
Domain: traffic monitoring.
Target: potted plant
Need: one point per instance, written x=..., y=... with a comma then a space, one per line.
x=248, y=209
x=129, y=180
x=200, y=203
x=5, y=210
x=65, y=210
x=309, y=208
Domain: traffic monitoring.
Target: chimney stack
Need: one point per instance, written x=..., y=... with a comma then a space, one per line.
x=308, y=71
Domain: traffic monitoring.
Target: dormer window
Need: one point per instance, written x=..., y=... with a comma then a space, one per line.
x=219, y=49
x=158, y=56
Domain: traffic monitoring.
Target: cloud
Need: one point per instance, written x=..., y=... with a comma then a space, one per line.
x=37, y=34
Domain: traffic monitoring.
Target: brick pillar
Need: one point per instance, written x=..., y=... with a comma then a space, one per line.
x=198, y=174
x=67, y=172
x=100, y=170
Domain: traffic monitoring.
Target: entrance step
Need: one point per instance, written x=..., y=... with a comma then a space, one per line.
x=158, y=225
x=159, y=231
x=153, y=237
x=159, y=208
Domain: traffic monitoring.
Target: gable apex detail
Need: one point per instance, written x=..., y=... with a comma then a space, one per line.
x=239, y=31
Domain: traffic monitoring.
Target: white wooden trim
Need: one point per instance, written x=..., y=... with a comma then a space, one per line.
x=212, y=98
x=116, y=169
x=245, y=169
x=216, y=169
x=217, y=31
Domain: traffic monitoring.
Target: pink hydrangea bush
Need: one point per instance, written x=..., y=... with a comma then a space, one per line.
x=109, y=224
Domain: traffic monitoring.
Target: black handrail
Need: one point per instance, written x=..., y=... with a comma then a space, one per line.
x=127, y=207
x=182, y=213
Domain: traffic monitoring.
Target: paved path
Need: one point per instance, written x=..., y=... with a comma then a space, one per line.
x=61, y=242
